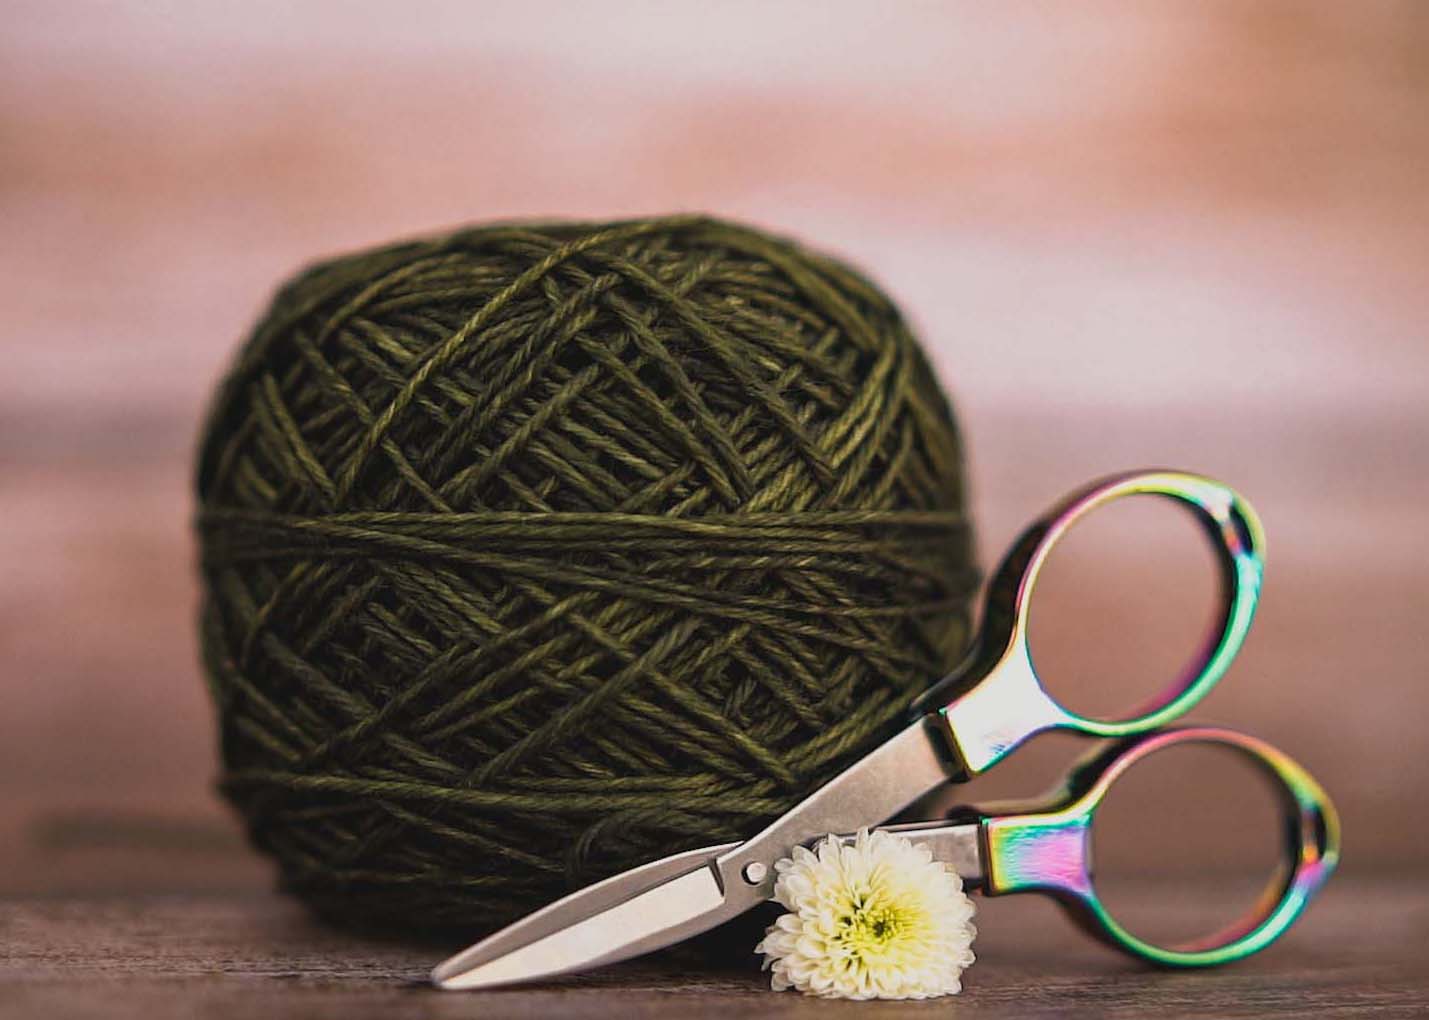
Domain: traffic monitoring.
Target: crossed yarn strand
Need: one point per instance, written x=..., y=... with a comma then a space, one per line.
x=532, y=552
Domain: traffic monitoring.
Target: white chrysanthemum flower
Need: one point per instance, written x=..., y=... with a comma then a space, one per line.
x=877, y=918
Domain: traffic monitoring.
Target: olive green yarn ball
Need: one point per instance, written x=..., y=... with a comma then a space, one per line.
x=535, y=551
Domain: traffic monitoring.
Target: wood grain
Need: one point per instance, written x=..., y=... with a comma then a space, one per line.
x=1361, y=954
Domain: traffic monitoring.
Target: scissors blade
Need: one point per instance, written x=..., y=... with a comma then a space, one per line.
x=666, y=901
x=882, y=783
x=637, y=911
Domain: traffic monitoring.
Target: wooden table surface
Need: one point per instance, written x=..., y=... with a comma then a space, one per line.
x=1359, y=952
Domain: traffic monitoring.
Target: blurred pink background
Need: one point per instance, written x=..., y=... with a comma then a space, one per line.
x=1186, y=234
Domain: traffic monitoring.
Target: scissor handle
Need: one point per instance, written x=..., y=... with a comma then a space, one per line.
x=1049, y=851
x=1001, y=701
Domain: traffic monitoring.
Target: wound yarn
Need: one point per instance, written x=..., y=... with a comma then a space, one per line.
x=534, y=551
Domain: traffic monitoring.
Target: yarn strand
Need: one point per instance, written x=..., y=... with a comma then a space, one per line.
x=533, y=552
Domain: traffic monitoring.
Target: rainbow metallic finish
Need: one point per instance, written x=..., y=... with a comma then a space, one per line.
x=1049, y=850
x=1001, y=701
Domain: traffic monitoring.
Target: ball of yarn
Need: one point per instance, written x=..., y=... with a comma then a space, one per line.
x=536, y=551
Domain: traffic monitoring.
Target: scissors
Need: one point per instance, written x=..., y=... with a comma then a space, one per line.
x=963, y=726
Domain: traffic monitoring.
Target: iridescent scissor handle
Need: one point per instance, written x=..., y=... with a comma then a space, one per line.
x=1000, y=701
x=1048, y=849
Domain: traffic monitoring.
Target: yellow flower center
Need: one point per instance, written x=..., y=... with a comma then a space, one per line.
x=869, y=927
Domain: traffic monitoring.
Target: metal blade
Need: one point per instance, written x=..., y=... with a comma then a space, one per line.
x=638, y=911
x=666, y=901
x=872, y=791
x=958, y=845
x=500, y=959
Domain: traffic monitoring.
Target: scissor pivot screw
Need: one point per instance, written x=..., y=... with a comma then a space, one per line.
x=754, y=872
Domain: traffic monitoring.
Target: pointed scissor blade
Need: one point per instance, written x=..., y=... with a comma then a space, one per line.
x=639, y=911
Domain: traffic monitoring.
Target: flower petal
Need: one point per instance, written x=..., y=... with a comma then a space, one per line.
x=875, y=917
